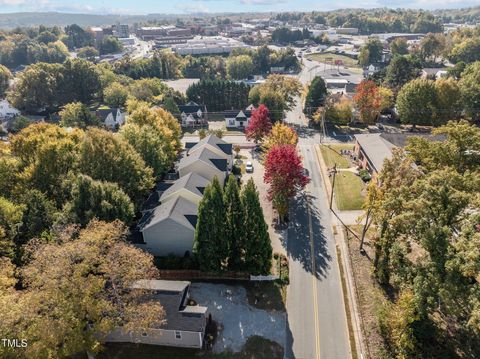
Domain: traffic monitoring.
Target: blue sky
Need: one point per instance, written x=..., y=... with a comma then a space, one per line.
x=132, y=7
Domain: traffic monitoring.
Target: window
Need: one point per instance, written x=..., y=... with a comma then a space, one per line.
x=178, y=334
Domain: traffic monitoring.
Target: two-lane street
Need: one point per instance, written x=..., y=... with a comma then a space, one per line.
x=315, y=306
x=317, y=323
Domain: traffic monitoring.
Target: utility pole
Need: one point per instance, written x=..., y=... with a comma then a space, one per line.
x=333, y=184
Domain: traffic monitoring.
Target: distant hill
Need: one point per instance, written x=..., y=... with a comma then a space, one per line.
x=11, y=20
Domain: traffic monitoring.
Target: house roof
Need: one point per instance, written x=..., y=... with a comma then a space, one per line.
x=247, y=113
x=378, y=146
x=192, y=108
x=215, y=142
x=191, y=182
x=171, y=295
x=180, y=209
x=206, y=156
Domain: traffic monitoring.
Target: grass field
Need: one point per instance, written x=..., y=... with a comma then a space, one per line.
x=331, y=154
x=347, y=61
x=348, y=191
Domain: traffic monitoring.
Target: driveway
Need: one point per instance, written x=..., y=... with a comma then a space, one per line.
x=237, y=320
x=277, y=236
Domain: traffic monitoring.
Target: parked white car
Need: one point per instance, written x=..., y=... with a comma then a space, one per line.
x=249, y=167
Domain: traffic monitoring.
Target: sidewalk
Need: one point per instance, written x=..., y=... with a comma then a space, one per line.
x=350, y=218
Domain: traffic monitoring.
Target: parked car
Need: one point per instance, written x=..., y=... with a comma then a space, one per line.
x=249, y=167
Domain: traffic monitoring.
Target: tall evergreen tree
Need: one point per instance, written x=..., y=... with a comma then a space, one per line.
x=258, y=248
x=234, y=224
x=210, y=245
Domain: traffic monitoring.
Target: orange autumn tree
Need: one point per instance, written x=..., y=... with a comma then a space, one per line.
x=368, y=101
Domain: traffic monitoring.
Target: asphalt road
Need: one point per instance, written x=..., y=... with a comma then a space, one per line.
x=316, y=318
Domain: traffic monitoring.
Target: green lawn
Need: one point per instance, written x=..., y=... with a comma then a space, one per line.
x=331, y=154
x=347, y=61
x=255, y=348
x=348, y=191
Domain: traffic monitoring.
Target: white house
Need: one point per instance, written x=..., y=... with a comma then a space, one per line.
x=7, y=111
x=112, y=118
x=193, y=114
x=170, y=227
x=238, y=118
x=185, y=321
x=206, y=163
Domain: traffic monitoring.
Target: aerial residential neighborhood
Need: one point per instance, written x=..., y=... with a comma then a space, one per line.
x=239, y=179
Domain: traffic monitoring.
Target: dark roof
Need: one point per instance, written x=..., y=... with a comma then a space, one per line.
x=237, y=113
x=102, y=113
x=214, y=141
x=171, y=295
x=177, y=209
x=189, y=145
x=205, y=155
x=192, y=108
x=192, y=182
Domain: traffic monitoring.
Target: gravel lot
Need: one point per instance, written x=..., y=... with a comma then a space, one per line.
x=236, y=318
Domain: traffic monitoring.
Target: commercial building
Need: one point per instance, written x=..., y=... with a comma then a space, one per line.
x=208, y=45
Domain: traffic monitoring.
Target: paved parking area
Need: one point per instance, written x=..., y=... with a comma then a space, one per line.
x=237, y=320
x=278, y=237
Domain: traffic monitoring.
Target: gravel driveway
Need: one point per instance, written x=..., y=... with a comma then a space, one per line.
x=236, y=318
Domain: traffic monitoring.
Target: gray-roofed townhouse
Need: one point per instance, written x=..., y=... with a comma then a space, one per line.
x=216, y=145
x=193, y=114
x=170, y=227
x=190, y=186
x=206, y=163
x=185, y=323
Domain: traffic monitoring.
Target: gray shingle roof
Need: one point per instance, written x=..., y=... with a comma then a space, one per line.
x=179, y=209
x=206, y=156
x=192, y=182
x=215, y=142
x=376, y=148
x=171, y=294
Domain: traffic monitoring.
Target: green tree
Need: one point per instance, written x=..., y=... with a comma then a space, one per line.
x=101, y=200
x=170, y=105
x=76, y=114
x=80, y=81
x=234, y=224
x=401, y=70
x=89, y=53
x=371, y=52
x=38, y=214
x=258, y=248
x=115, y=95
x=470, y=89
x=432, y=45
x=210, y=246
x=239, y=67
x=76, y=290
x=109, y=45
x=76, y=37
x=416, y=102
x=448, y=104
x=37, y=88
x=467, y=51
x=10, y=222
x=5, y=77
x=108, y=157
x=155, y=149
x=399, y=46
x=316, y=95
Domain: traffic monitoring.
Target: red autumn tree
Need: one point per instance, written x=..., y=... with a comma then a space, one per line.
x=284, y=174
x=368, y=101
x=259, y=125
